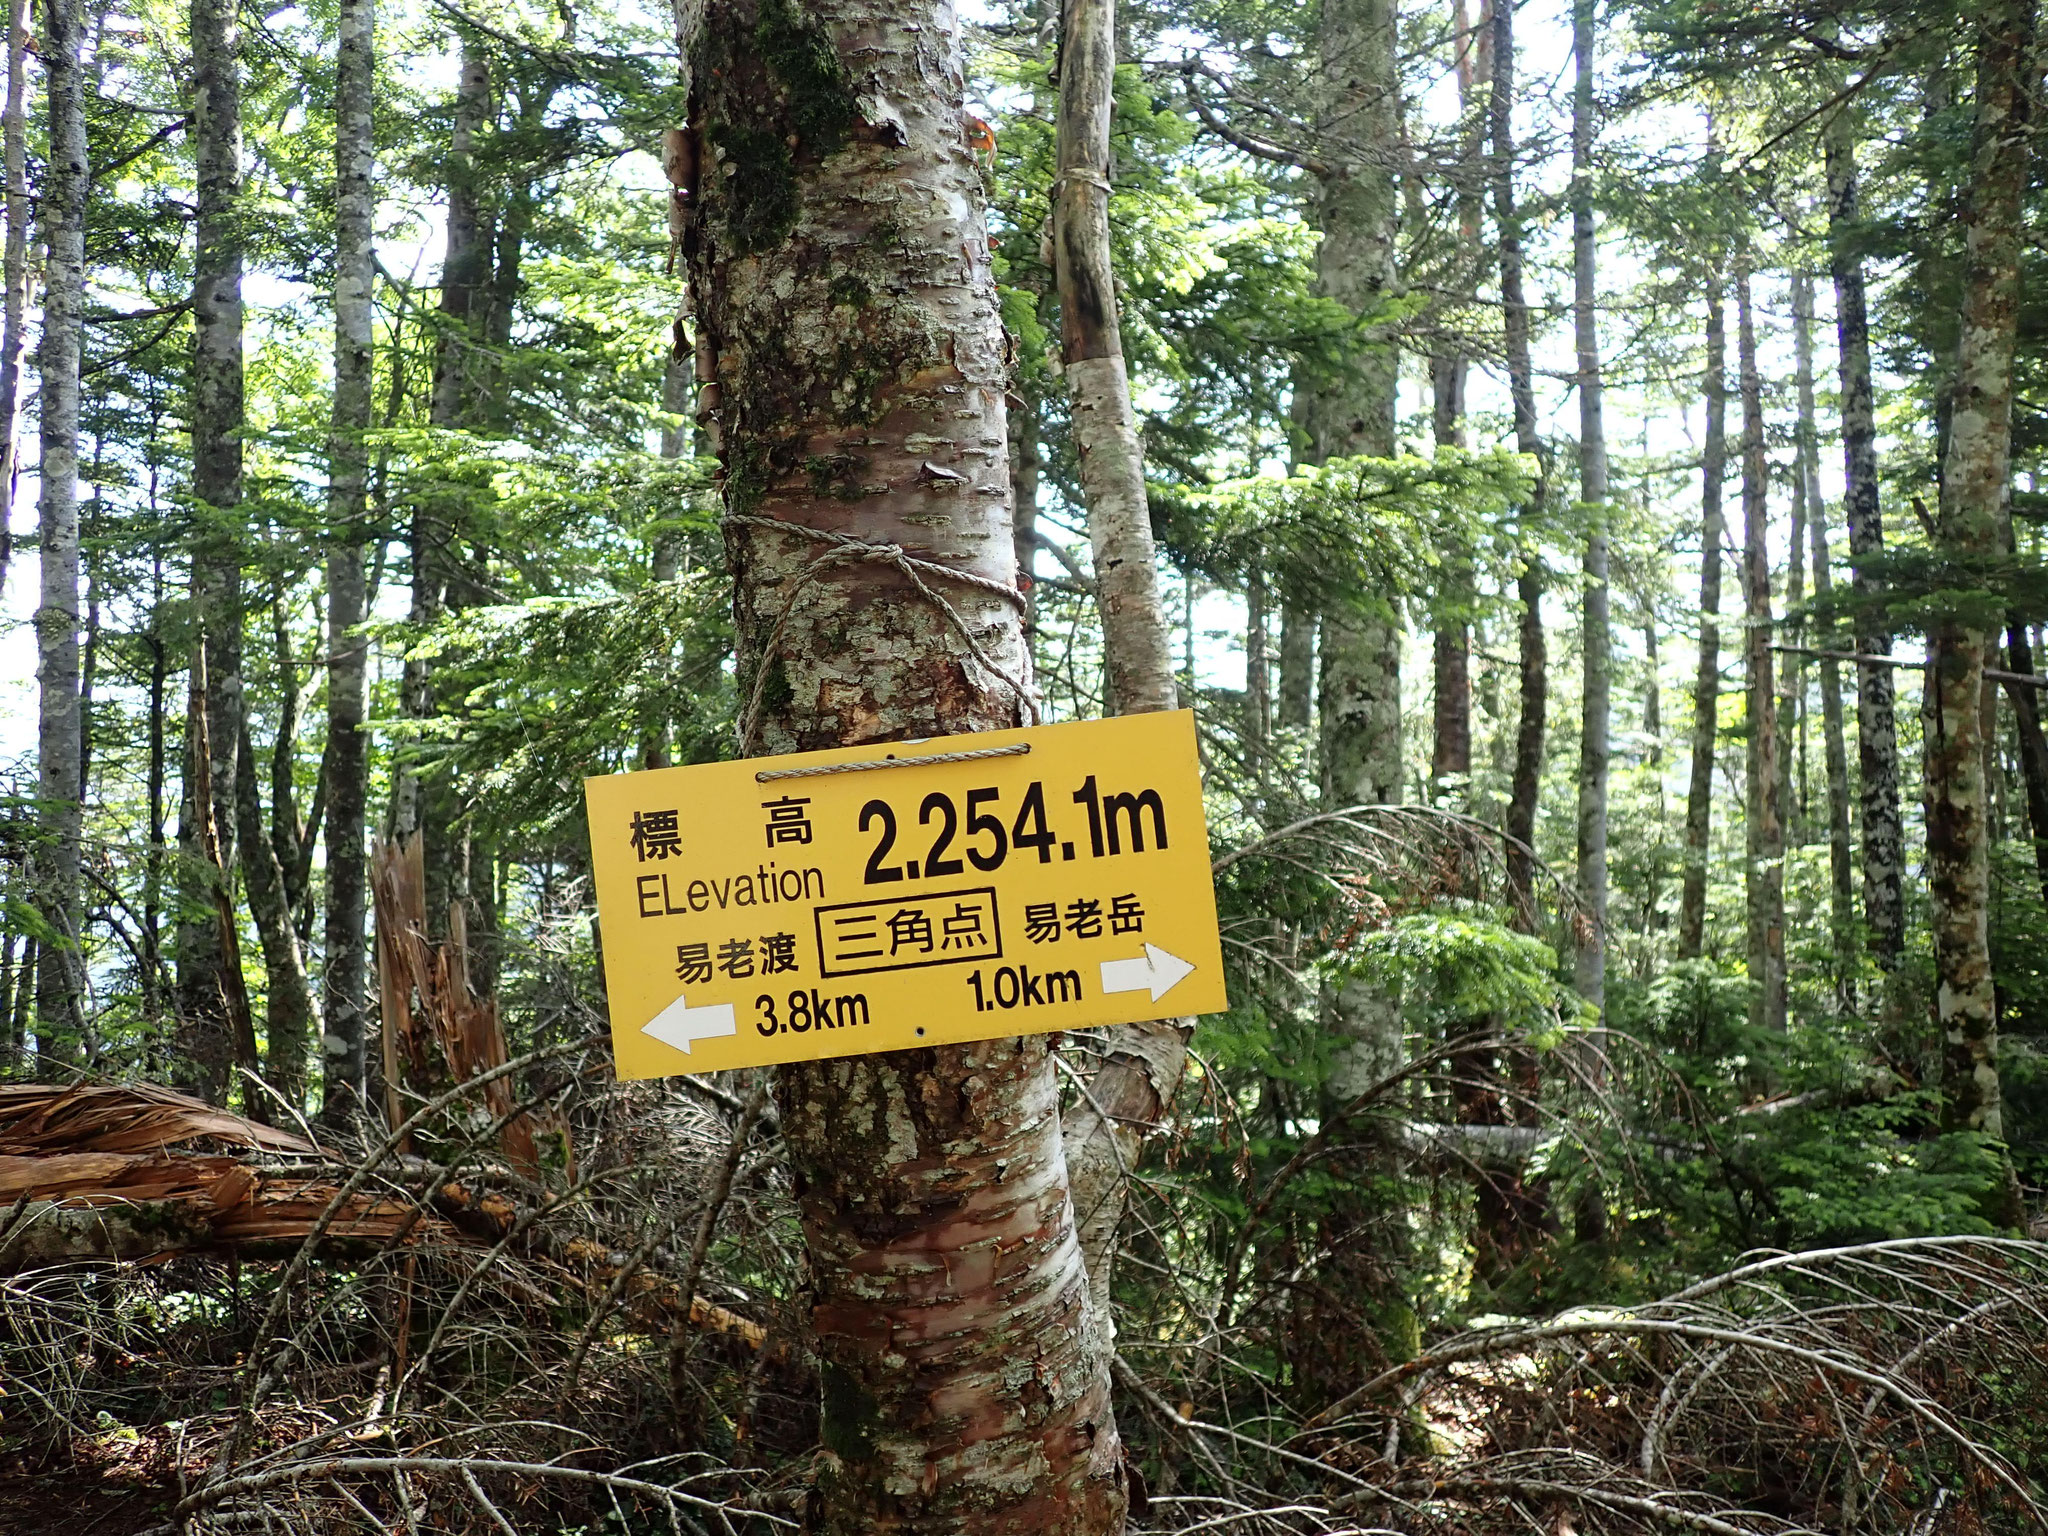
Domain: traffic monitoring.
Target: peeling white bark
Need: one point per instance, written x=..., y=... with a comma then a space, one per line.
x=851, y=369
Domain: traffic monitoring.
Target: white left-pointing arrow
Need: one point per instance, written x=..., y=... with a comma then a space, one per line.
x=1155, y=971
x=681, y=1026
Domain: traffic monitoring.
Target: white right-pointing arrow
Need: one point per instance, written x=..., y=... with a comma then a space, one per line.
x=1155, y=971
x=682, y=1026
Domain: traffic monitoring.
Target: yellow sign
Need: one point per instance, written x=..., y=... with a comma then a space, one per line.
x=904, y=894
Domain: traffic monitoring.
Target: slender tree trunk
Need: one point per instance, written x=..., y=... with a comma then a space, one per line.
x=1975, y=483
x=1590, y=935
x=24, y=996
x=1792, y=667
x=963, y=1388
x=1451, y=648
x=290, y=835
x=205, y=990
x=346, y=769
x=1877, y=742
x=1136, y=644
x=1653, y=699
x=1348, y=411
x=13, y=267
x=290, y=1017
x=1351, y=411
x=158, y=774
x=60, y=972
x=1515, y=1209
x=1450, y=759
x=1535, y=684
x=466, y=261
x=2033, y=744
x=1142, y=1063
x=1706, y=690
x=2030, y=739
x=1025, y=468
x=427, y=807
x=1841, y=858
x=1258, y=673
x=1297, y=707
x=1765, y=872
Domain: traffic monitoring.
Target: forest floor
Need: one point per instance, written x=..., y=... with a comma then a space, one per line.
x=104, y=1490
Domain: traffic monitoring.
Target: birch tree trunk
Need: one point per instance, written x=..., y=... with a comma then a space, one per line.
x=13, y=266
x=1136, y=644
x=1877, y=741
x=1975, y=483
x=963, y=1391
x=346, y=769
x=1841, y=859
x=1764, y=875
x=1706, y=689
x=1590, y=937
x=60, y=977
x=209, y=1021
x=1142, y=1063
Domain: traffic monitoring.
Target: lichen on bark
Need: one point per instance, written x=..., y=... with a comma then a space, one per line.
x=852, y=373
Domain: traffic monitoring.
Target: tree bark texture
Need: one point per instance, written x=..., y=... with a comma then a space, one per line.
x=1450, y=758
x=1764, y=885
x=1841, y=856
x=466, y=260
x=1792, y=668
x=1350, y=411
x=1451, y=647
x=205, y=991
x=1026, y=465
x=1877, y=741
x=1706, y=690
x=1347, y=412
x=60, y=974
x=1258, y=670
x=1296, y=704
x=425, y=805
x=1589, y=967
x=1973, y=497
x=2033, y=741
x=290, y=1015
x=13, y=266
x=1143, y=1063
x=1526, y=783
x=1136, y=643
x=346, y=768
x=852, y=374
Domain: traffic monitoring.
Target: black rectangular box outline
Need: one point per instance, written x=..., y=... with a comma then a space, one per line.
x=907, y=898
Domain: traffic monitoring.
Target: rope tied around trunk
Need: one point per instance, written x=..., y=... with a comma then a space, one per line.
x=843, y=549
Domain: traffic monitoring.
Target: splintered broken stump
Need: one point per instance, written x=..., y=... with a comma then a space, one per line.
x=141, y=1174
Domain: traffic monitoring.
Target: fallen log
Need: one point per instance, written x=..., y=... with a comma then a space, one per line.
x=98, y=1175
